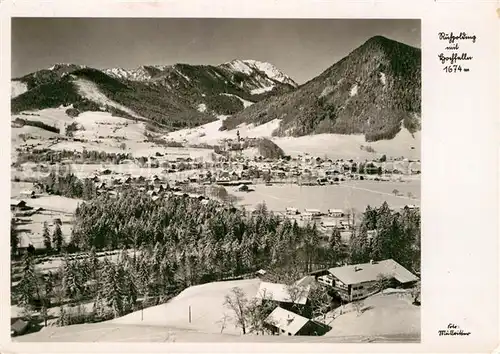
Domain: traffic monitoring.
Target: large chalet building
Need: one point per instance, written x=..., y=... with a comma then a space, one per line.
x=358, y=281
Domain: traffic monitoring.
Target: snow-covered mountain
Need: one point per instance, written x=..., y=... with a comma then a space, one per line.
x=261, y=77
x=374, y=91
x=269, y=70
x=177, y=96
x=254, y=76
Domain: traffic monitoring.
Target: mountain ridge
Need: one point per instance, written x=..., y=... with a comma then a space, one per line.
x=374, y=90
x=180, y=95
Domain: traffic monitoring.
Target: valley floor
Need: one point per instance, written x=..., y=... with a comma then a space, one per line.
x=347, y=195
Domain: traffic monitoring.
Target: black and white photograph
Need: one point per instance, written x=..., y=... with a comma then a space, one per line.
x=215, y=180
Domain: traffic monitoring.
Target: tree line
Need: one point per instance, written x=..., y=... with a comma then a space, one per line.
x=52, y=156
x=68, y=185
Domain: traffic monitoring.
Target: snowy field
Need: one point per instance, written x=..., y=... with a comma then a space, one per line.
x=210, y=134
x=107, y=332
x=30, y=229
x=204, y=318
x=388, y=313
x=337, y=146
x=332, y=145
x=389, y=318
x=346, y=195
x=103, y=132
x=55, y=203
x=100, y=131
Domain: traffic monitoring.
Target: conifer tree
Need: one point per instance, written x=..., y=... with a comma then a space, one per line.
x=27, y=285
x=57, y=238
x=14, y=238
x=46, y=237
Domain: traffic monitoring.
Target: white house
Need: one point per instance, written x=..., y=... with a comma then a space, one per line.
x=291, y=211
x=336, y=213
x=284, y=322
x=312, y=213
x=281, y=293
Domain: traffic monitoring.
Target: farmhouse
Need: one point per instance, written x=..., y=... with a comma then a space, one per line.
x=284, y=322
x=310, y=214
x=329, y=225
x=336, y=213
x=17, y=205
x=313, y=211
x=283, y=295
x=358, y=281
x=291, y=211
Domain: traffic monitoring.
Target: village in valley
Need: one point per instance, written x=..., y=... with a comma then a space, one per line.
x=125, y=230
x=221, y=184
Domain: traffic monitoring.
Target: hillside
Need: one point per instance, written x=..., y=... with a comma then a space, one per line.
x=169, y=322
x=177, y=96
x=374, y=91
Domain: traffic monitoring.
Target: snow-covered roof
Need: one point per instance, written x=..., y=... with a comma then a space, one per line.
x=16, y=202
x=359, y=273
x=286, y=320
x=305, y=281
x=330, y=223
x=313, y=211
x=335, y=211
x=280, y=292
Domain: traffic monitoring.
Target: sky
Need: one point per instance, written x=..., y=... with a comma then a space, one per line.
x=301, y=48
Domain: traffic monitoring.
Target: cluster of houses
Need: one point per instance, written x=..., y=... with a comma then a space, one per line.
x=304, y=170
x=293, y=314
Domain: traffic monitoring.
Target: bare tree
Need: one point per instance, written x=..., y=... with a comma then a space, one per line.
x=358, y=306
x=415, y=293
x=320, y=300
x=44, y=313
x=238, y=303
x=258, y=315
x=351, y=216
x=383, y=282
x=395, y=192
x=223, y=321
x=296, y=292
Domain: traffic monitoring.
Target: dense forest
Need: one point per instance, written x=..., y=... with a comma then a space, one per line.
x=176, y=242
x=68, y=185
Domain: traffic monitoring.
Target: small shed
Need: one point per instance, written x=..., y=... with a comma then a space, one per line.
x=260, y=273
x=18, y=327
x=284, y=322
